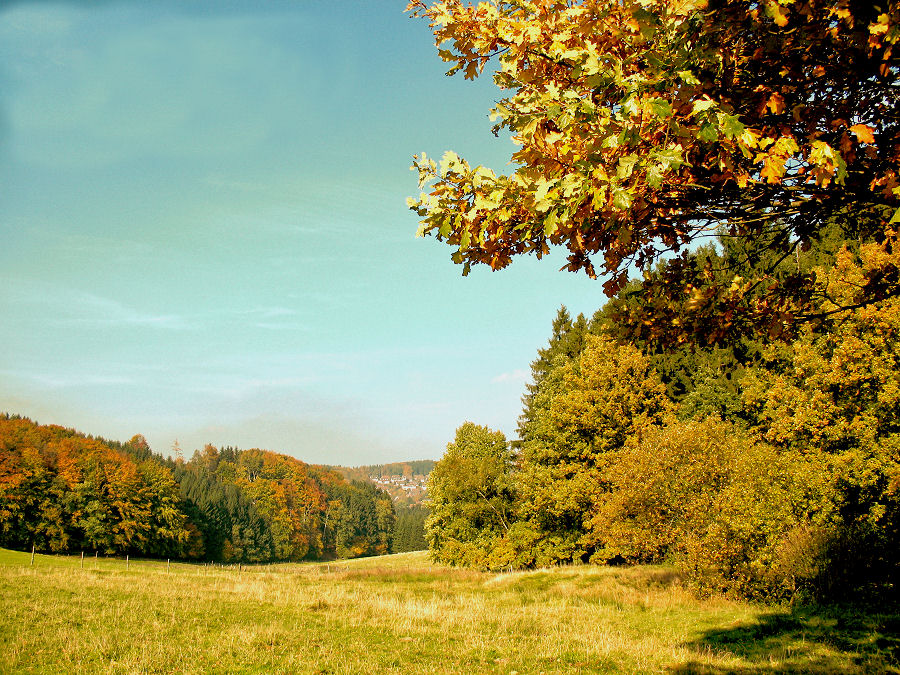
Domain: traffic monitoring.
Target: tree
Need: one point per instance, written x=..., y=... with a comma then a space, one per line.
x=566, y=342
x=735, y=514
x=839, y=391
x=470, y=497
x=409, y=534
x=646, y=126
x=586, y=408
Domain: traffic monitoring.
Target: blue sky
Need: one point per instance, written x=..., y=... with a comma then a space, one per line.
x=204, y=232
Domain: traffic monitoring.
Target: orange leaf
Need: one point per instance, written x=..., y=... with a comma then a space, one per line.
x=773, y=169
x=778, y=13
x=776, y=103
x=864, y=133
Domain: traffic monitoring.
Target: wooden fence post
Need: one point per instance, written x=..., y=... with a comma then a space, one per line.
x=32, y=554
x=82, y=560
x=127, y=563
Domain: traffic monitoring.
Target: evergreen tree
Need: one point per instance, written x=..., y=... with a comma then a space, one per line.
x=566, y=342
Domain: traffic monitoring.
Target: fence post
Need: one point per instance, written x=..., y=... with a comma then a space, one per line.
x=82, y=560
x=32, y=554
x=127, y=563
x=167, y=565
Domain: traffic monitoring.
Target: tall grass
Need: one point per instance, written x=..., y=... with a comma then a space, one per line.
x=401, y=614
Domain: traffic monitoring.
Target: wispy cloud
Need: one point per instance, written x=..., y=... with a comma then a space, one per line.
x=266, y=318
x=94, y=309
x=46, y=380
x=74, y=307
x=517, y=376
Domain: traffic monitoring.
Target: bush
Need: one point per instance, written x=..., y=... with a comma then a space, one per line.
x=736, y=514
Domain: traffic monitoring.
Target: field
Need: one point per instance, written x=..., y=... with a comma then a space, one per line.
x=402, y=614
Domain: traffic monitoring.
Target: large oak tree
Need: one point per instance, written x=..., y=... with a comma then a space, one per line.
x=646, y=126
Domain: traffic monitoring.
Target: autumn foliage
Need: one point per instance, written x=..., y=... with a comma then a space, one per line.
x=63, y=491
x=647, y=126
x=770, y=471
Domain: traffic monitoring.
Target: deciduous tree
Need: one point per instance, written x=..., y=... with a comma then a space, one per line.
x=470, y=497
x=646, y=126
x=587, y=408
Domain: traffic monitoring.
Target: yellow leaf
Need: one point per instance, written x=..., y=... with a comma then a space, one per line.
x=749, y=138
x=864, y=133
x=773, y=169
x=776, y=103
x=703, y=104
x=778, y=13
x=881, y=26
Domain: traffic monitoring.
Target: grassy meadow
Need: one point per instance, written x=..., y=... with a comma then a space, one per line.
x=400, y=613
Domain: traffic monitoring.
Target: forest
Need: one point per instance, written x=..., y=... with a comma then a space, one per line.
x=731, y=170
x=410, y=507
x=63, y=491
x=767, y=469
x=421, y=467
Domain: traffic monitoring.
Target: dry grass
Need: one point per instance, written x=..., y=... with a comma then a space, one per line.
x=392, y=614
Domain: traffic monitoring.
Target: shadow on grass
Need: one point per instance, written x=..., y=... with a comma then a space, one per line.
x=813, y=640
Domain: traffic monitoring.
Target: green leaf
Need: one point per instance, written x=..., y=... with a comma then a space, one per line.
x=646, y=22
x=708, y=133
x=731, y=125
x=655, y=177
x=670, y=159
x=702, y=105
x=551, y=223
x=622, y=199
x=530, y=128
x=611, y=141
x=660, y=107
x=626, y=165
x=464, y=239
x=630, y=105
x=688, y=77
x=598, y=80
x=896, y=217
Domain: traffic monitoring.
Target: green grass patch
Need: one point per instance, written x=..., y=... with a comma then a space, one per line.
x=403, y=614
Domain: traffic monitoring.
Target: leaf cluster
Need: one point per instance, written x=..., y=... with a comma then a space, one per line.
x=647, y=127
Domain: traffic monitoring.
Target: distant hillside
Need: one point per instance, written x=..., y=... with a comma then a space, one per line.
x=404, y=481
x=64, y=491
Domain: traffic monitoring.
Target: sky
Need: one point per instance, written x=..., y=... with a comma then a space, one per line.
x=204, y=234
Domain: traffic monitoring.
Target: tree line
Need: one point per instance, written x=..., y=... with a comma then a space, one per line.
x=63, y=491
x=732, y=169
x=763, y=468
